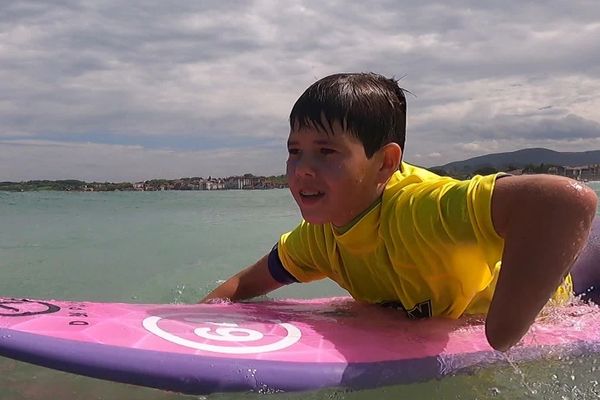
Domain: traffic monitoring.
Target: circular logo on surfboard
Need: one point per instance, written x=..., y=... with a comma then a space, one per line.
x=192, y=331
x=24, y=307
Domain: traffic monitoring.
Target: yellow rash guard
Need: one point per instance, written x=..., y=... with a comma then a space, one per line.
x=429, y=247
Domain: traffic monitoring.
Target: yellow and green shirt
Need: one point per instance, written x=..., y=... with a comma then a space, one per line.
x=428, y=246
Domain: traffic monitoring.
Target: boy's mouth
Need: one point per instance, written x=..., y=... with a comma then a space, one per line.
x=311, y=194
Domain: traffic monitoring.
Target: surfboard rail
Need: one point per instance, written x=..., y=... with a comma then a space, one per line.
x=289, y=345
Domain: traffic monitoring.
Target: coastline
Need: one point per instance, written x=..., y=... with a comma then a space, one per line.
x=586, y=174
x=245, y=182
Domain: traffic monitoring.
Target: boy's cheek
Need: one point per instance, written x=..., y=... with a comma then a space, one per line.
x=289, y=166
x=290, y=171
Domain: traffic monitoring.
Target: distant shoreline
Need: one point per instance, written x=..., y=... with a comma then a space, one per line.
x=584, y=173
x=245, y=182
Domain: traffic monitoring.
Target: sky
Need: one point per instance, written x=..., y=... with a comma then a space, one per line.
x=127, y=91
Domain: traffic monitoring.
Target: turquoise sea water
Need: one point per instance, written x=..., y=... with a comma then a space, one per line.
x=173, y=247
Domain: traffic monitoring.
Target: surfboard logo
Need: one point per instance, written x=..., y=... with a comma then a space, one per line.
x=224, y=336
x=24, y=307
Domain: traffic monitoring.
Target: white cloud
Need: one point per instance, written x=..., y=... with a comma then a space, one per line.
x=187, y=77
x=472, y=147
x=30, y=159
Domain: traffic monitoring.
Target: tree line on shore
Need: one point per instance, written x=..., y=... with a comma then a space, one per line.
x=488, y=170
x=75, y=185
x=256, y=182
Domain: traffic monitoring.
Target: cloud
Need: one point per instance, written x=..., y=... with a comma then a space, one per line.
x=32, y=159
x=189, y=77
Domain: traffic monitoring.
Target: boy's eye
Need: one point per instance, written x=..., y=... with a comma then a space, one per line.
x=293, y=151
x=325, y=150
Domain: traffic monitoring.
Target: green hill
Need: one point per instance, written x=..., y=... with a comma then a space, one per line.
x=520, y=159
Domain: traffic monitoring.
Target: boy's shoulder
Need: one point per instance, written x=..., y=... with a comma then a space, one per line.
x=409, y=174
x=419, y=206
x=407, y=170
x=417, y=192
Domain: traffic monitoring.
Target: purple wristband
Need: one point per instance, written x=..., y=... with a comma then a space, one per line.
x=277, y=270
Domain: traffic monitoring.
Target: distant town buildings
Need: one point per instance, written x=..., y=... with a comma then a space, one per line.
x=584, y=173
x=245, y=182
x=250, y=182
x=581, y=173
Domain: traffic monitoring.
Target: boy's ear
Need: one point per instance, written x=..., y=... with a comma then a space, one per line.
x=391, y=155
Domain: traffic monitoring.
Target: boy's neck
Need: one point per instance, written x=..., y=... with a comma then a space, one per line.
x=345, y=228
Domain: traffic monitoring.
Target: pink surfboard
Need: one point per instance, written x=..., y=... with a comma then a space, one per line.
x=288, y=345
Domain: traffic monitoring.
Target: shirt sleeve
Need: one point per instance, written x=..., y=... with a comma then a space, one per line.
x=445, y=227
x=448, y=213
x=303, y=252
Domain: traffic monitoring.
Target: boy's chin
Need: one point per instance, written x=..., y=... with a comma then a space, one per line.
x=315, y=219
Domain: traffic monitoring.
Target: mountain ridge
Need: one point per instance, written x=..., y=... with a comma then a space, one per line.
x=522, y=158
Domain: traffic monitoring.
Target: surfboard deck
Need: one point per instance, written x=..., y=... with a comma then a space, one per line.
x=288, y=345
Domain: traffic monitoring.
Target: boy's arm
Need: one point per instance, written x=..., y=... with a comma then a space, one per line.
x=250, y=282
x=544, y=221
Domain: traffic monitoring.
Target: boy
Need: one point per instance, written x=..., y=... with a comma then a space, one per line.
x=389, y=232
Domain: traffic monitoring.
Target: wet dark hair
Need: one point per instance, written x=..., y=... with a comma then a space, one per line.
x=369, y=106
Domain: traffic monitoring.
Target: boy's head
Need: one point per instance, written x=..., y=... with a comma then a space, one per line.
x=369, y=106
x=345, y=142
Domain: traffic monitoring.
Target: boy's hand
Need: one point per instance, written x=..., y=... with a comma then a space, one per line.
x=545, y=221
x=250, y=282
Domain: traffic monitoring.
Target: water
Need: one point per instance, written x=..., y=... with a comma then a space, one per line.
x=174, y=247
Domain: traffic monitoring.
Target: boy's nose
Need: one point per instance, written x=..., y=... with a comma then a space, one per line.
x=304, y=166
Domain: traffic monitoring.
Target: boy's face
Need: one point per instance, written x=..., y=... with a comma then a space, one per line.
x=330, y=176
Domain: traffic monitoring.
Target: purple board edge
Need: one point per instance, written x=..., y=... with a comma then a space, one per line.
x=204, y=375
x=193, y=374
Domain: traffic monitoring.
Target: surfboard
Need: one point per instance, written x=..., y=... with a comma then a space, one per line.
x=282, y=345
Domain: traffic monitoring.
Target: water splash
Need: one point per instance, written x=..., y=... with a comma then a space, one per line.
x=520, y=373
